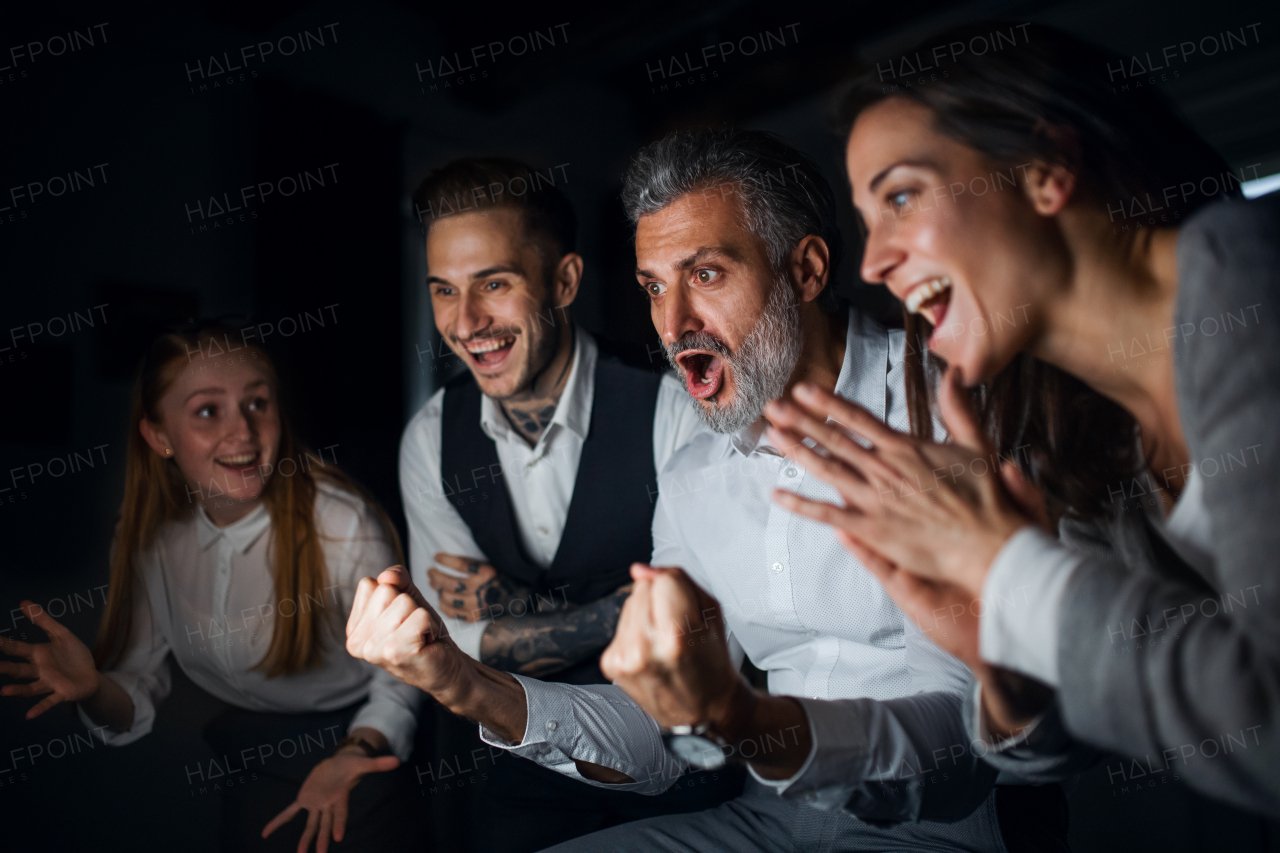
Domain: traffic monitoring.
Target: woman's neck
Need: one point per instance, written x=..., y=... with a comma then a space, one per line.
x=1113, y=328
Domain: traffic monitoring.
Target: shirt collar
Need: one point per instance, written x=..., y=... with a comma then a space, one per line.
x=862, y=380
x=573, y=411
x=242, y=534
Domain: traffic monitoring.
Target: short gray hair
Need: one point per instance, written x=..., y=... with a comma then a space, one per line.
x=784, y=195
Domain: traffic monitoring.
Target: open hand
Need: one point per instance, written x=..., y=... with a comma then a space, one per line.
x=324, y=795
x=670, y=653
x=63, y=667
x=939, y=511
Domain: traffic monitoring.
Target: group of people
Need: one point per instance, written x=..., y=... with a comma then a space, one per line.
x=974, y=555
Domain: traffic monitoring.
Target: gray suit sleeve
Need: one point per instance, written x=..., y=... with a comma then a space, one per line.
x=1151, y=667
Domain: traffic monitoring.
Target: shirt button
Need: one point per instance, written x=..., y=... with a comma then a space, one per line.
x=552, y=725
x=791, y=472
x=777, y=568
x=544, y=531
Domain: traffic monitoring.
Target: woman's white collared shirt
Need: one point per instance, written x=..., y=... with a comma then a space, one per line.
x=206, y=594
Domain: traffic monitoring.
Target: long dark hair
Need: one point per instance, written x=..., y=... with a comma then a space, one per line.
x=1021, y=93
x=156, y=493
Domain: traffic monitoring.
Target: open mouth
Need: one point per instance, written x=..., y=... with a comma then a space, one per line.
x=930, y=299
x=238, y=462
x=703, y=373
x=489, y=352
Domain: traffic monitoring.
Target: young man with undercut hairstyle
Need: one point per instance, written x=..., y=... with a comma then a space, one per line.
x=529, y=480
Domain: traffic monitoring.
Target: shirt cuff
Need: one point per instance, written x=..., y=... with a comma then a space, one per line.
x=781, y=786
x=144, y=712
x=1021, y=602
x=981, y=734
x=555, y=736
x=396, y=722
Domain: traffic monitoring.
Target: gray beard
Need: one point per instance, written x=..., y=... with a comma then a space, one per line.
x=761, y=366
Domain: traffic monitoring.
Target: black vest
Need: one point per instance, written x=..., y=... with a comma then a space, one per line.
x=611, y=512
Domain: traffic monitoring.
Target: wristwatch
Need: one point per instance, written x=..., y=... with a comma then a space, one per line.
x=704, y=745
x=698, y=746
x=357, y=741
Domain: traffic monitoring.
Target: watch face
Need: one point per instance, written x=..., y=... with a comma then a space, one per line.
x=697, y=751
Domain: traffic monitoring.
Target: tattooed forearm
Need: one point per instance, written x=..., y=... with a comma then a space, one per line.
x=495, y=595
x=540, y=644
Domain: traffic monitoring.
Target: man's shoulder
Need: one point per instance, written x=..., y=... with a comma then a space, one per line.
x=422, y=433
x=702, y=450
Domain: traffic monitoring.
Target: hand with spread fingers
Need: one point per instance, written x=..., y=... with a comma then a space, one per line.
x=326, y=790
x=62, y=668
x=939, y=511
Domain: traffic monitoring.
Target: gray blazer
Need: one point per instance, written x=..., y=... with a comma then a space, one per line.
x=1176, y=671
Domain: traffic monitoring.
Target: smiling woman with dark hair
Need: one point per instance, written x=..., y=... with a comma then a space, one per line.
x=1125, y=369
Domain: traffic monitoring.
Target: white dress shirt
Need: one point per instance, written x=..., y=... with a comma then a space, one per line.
x=539, y=479
x=799, y=605
x=1024, y=590
x=206, y=594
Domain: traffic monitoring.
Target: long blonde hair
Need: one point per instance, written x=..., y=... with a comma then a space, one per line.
x=155, y=493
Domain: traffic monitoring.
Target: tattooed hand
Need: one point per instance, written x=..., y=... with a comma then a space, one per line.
x=480, y=593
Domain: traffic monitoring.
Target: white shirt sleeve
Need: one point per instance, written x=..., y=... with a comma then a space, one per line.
x=434, y=525
x=857, y=740
x=597, y=723
x=141, y=670
x=600, y=723
x=392, y=706
x=1022, y=602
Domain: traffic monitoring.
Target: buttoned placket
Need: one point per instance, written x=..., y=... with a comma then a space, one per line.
x=538, y=469
x=221, y=604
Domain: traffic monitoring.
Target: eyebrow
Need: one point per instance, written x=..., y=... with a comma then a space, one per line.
x=703, y=253
x=222, y=391
x=880, y=176
x=484, y=273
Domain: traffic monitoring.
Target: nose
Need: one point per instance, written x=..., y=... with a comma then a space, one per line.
x=242, y=426
x=472, y=315
x=881, y=254
x=676, y=314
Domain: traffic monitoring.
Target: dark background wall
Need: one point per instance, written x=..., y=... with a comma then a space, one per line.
x=371, y=109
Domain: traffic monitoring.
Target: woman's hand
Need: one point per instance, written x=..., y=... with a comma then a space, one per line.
x=939, y=511
x=62, y=667
x=324, y=795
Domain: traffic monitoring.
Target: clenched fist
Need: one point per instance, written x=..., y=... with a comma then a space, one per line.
x=670, y=653
x=392, y=626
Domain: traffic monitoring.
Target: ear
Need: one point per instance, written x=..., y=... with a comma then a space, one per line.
x=810, y=267
x=565, y=280
x=156, y=438
x=1048, y=187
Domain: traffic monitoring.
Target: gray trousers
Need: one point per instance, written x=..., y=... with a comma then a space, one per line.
x=760, y=821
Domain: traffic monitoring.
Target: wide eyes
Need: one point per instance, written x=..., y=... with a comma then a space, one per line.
x=705, y=276
x=655, y=288
x=899, y=200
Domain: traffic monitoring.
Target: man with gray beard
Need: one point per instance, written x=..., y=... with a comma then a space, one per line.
x=858, y=744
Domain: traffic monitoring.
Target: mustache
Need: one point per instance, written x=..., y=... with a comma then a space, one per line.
x=488, y=334
x=697, y=341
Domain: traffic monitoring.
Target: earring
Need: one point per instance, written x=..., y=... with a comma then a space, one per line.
x=168, y=451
